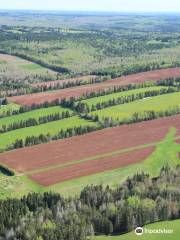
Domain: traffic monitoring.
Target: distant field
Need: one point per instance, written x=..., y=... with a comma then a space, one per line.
x=106, y=98
x=4, y=109
x=15, y=70
x=142, y=77
x=158, y=103
x=174, y=225
x=83, y=79
x=85, y=49
x=52, y=128
x=35, y=114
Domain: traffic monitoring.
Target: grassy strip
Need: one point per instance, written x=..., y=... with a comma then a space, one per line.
x=51, y=128
x=34, y=114
x=106, y=98
x=125, y=111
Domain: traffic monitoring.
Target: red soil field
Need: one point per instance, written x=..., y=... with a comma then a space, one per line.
x=89, y=145
x=178, y=141
x=39, y=98
x=90, y=167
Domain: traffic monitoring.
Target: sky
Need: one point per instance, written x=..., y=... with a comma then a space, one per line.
x=94, y=5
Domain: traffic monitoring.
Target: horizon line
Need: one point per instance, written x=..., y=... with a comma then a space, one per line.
x=92, y=11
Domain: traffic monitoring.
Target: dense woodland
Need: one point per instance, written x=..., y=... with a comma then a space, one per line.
x=138, y=201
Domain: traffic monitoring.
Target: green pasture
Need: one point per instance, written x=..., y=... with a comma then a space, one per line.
x=172, y=225
x=51, y=128
x=106, y=98
x=125, y=111
x=35, y=114
x=31, y=66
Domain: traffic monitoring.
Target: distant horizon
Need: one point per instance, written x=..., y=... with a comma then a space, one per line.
x=112, y=6
x=90, y=11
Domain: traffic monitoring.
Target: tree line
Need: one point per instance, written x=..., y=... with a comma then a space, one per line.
x=33, y=121
x=34, y=106
x=138, y=201
x=36, y=89
x=44, y=138
x=124, y=70
x=106, y=122
x=82, y=107
x=6, y=171
x=102, y=123
x=173, y=85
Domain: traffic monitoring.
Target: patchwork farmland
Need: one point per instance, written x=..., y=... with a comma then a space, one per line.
x=110, y=148
x=89, y=124
x=75, y=92
x=92, y=153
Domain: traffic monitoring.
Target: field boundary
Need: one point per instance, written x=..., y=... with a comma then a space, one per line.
x=96, y=157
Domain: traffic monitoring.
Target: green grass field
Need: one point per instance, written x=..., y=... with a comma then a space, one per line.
x=52, y=128
x=31, y=67
x=32, y=114
x=4, y=109
x=106, y=98
x=174, y=225
x=125, y=111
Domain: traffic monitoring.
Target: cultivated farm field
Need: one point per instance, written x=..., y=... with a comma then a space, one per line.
x=103, y=99
x=34, y=114
x=157, y=103
x=94, y=150
x=50, y=128
x=89, y=125
x=75, y=92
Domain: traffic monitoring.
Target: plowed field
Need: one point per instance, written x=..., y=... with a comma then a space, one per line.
x=38, y=98
x=90, y=167
x=90, y=153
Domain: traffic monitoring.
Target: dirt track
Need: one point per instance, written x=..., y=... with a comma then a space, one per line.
x=38, y=98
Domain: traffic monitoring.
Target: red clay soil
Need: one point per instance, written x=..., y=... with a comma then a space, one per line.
x=178, y=141
x=91, y=167
x=61, y=82
x=39, y=98
x=89, y=145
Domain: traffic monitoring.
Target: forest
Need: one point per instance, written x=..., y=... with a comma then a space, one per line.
x=99, y=210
